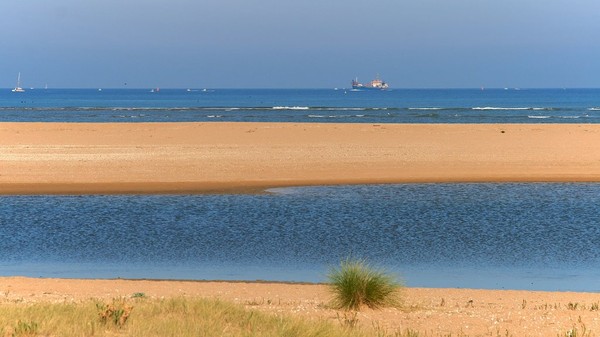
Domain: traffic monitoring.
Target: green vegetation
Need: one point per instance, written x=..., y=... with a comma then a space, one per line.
x=193, y=317
x=577, y=332
x=356, y=284
x=25, y=329
x=138, y=295
x=155, y=317
x=115, y=313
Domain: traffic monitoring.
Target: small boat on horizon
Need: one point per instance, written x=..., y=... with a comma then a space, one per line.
x=376, y=84
x=18, y=87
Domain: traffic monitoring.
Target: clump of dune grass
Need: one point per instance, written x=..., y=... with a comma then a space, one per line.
x=356, y=283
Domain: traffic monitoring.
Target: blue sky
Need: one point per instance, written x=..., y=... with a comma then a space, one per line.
x=299, y=44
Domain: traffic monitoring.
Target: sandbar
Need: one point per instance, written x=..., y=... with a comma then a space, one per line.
x=221, y=157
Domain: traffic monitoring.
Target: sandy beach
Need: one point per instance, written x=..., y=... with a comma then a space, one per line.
x=39, y=158
x=432, y=312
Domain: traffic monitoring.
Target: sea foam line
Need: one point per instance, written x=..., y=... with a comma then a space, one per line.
x=513, y=108
x=282, y=108
x=291, y=108
x=335, y=116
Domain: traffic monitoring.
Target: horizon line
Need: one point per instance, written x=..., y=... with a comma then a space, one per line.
x=301, y=88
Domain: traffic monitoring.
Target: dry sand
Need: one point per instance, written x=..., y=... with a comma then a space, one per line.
x=220, y=157
x=432, y=312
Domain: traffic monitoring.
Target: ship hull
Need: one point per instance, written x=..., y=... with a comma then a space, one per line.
x=375, y=84
x=358, y=87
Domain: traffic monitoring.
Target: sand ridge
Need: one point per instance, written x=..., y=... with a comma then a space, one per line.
x=224, y=157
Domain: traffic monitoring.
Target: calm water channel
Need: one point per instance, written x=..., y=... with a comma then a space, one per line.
x=517, y=236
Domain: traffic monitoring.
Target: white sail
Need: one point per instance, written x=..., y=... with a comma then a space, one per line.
x=18, y=87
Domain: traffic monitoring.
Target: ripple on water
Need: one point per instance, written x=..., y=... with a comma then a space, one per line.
x=523, y=236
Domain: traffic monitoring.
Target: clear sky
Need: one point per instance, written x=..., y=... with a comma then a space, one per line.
x=299, y=43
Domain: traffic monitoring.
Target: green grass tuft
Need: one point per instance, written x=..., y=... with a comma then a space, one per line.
x=356, y=284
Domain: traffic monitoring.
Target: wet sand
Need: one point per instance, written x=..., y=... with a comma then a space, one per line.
x=432, y=312
x=79, y=158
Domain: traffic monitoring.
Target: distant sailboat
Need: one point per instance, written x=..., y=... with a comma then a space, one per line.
x=18, y=87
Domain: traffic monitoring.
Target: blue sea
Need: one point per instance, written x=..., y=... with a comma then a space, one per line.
x=497, y=236
x=308, y=105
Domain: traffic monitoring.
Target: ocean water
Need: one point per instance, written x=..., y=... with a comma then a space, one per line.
x=511, y=236
x=500, y=236
x=308, y=105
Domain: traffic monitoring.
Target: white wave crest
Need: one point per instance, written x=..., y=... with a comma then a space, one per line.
x=290, y=108
x=343, y=109
x=500, y=108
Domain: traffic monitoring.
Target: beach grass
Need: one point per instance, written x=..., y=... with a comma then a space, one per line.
x=158, y=317
x=194, y=316
x=356, y=283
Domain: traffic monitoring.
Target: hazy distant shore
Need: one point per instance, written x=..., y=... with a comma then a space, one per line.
x=88, y=158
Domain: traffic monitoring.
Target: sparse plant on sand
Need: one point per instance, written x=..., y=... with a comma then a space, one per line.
x=25, y=329
x=348, y=320
x=116, y=313
x=575, y=332
x=138, y=295
x=355, y=284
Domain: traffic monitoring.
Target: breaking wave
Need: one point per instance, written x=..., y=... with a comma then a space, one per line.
x=306, y=113
x=515, y=108
x=282, y=107
x=291, y=108
x=335, y=116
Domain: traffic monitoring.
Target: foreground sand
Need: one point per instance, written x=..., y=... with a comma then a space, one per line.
x=209, y=157
x=432, y=312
